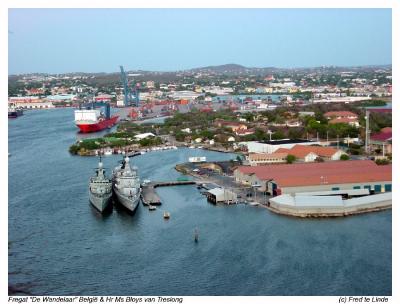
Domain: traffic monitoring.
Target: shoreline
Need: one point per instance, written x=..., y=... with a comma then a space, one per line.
x=327, y=215
x=374, y=203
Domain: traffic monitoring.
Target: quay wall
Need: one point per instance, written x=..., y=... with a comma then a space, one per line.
x=348, y=207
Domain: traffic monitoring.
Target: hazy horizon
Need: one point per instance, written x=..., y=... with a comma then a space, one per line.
x=117, y=71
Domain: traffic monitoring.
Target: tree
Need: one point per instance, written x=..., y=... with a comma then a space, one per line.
x=260, y=134
x=290, y=158
x=382, y=162
x=248, y=116
x=295, y=133
x=278, y=135
x=344, y=157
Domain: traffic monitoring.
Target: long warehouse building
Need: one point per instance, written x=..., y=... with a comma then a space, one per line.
x=325, y=176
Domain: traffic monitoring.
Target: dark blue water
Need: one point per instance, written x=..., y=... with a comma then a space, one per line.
x=59, y=245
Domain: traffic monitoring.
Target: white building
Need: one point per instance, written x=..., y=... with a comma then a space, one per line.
x=120, y=103
x=273, y=145
x=143, y=135
x=184, y=95
x=219, y=195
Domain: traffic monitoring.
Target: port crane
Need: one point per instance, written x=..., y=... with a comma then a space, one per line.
x=96, y=104
x=131, y=95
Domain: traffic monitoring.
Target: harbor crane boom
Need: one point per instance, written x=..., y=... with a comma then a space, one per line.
x=131, y=96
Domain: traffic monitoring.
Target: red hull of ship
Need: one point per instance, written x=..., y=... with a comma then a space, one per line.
x=101, y=125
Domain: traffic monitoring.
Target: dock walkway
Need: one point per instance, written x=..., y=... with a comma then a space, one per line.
x=150, y=196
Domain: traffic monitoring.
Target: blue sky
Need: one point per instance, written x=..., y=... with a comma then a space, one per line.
x=99, y=40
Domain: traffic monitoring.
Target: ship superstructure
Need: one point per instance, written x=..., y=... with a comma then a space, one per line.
x=126, y=185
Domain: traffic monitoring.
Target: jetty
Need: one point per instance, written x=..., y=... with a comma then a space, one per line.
x=150, y=196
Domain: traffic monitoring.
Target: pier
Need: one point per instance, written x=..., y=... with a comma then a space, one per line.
x=150, y=196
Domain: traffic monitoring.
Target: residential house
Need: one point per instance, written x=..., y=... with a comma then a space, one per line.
x=382, y=140
x=242, y=132
x=303, y=152
x=233, y=125
x=347, y=117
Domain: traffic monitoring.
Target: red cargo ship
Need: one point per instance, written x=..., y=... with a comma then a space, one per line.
x=93, y=120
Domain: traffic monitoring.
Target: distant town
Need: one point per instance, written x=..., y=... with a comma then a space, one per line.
x=273, y=119
x=233, y=104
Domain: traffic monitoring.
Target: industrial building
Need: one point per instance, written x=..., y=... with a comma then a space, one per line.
x=309, y=177
x=256, y=159
x=35, y=105
x=271, y=146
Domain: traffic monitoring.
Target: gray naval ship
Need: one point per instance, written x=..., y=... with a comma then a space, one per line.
x=100, y=189
x=126, y=185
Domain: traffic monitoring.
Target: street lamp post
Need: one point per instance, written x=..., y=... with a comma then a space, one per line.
x=366, y=131
x=255, y=191
x=270, y=134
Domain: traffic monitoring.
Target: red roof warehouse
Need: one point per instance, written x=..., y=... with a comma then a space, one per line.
x=316, y=174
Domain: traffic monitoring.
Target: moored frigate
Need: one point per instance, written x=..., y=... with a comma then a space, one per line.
x=126, y=185
x=100, y=189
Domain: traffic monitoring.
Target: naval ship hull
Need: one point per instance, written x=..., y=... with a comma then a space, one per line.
x=100, y=202
x=129, y=203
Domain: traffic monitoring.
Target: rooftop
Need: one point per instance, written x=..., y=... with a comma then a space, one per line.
x=286, y=141
x=308, y=174
x=302, y=151
x=262, y=156
x=299, y=153
x=384, y=135
x=340, y=113
x=343, y=120
x=386, y=130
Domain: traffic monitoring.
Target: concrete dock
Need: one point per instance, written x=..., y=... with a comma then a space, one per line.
x=328, y=206
x=150, y=196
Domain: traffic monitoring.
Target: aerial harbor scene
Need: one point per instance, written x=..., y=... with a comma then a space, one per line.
x=210, y=153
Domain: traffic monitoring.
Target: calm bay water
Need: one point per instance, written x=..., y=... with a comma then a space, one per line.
x=59, y=245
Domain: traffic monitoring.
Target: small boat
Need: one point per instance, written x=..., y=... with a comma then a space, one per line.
x=166, y=215
x=152, y=208
x=108, y=152
x=196, y=235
